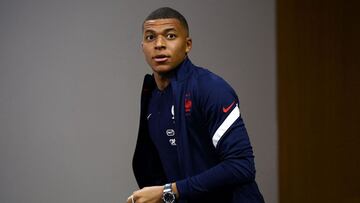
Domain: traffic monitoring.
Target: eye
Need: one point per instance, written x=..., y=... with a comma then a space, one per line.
x=170, y=36
x=149, y=37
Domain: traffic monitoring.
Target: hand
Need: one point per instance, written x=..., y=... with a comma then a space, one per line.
x=147, y=195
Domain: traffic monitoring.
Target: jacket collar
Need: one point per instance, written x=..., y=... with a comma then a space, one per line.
x=183, y=70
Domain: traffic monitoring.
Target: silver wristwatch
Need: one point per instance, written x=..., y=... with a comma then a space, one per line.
x=168, y=194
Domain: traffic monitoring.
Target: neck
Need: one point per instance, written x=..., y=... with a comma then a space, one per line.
x=161, y=81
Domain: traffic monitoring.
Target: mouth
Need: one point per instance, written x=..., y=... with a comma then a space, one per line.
x=161, y=58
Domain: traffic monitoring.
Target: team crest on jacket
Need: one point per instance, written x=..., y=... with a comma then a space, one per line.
x=188, y=104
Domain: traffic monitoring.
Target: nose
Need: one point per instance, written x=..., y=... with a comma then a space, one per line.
x=160, y=43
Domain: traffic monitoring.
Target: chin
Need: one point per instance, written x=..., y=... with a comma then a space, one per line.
x=162, y=69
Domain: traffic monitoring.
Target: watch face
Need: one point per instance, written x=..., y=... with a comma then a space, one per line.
x=169, y=197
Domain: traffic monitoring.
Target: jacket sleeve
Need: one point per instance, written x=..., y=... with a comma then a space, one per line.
x=229, y=137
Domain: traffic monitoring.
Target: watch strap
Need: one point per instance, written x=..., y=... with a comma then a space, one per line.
x=167, y=187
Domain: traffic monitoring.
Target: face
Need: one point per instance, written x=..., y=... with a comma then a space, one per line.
x=165, y=44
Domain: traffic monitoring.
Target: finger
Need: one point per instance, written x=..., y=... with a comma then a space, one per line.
x=130, y=199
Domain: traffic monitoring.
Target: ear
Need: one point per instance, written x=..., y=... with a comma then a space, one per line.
x=188, y=44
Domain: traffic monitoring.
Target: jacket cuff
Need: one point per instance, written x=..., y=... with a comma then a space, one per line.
x=183, y=189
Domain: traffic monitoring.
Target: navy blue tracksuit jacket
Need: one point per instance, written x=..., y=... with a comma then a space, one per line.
x=215, y=156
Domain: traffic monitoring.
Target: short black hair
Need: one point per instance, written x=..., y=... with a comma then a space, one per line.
x=165, y=13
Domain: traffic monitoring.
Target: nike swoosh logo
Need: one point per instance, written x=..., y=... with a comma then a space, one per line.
x=148, y=117
x=225, y=110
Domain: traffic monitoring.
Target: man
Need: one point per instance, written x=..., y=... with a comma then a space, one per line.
x=192, y=144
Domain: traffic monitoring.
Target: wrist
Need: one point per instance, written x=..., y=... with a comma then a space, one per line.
x=175, y=190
